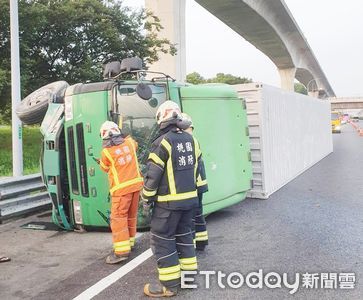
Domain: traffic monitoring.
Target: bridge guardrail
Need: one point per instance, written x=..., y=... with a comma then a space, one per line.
x=22, y=195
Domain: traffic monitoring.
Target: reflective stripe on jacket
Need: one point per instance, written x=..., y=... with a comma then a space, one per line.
x=172, y=171
x=121, y=164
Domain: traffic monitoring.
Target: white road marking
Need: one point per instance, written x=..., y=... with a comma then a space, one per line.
x=104, y=283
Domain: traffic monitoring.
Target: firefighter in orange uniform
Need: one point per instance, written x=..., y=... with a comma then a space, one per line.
x=119, y=161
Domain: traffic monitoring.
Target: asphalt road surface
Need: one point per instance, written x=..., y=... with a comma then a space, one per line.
x=313, y=225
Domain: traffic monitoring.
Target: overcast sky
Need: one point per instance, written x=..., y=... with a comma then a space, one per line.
x=334, y=30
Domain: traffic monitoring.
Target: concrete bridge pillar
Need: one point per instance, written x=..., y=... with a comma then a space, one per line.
x=172, y=17
x=287, y=77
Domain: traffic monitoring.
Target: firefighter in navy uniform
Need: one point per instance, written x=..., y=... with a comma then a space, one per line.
x=170, y=186
x=199, y=228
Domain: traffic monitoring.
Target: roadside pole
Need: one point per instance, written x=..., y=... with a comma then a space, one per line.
x=17, y=134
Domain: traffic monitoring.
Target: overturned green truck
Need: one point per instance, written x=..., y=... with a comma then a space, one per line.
x=71, y=142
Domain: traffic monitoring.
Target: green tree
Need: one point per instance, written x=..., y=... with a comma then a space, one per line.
x=70, y=40
x=300, y=88
x=229, y=79
x=196, y=78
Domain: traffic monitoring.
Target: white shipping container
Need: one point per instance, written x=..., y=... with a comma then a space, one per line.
x=289, y=133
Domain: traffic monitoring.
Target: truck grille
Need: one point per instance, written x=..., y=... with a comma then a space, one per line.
x=72, y=160
x=82, y=160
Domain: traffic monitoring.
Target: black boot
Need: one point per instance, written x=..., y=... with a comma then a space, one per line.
x=200, y=245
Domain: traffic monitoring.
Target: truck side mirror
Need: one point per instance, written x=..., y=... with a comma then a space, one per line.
x=144, y=91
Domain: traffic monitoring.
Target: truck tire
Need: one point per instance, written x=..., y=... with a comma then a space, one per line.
x=32, y=108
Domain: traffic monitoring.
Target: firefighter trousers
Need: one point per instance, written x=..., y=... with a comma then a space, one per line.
x=199, y=228
x=123, y=221
x=172, y=244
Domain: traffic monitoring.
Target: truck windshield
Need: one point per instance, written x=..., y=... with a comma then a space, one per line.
x=138, y=116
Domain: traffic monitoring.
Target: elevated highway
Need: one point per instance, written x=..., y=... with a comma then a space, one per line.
x=268, y=25
x=339, y=103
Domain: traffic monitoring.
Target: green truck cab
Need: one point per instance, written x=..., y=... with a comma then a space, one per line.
x=72, y=144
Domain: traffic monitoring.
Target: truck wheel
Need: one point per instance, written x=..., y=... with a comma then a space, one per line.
x=33, y=107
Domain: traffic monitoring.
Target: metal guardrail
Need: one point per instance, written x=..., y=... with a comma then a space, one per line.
x=22, y=195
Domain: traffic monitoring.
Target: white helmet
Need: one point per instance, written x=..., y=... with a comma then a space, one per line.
x=167, y=111
x=187, y=118
x=109, y=129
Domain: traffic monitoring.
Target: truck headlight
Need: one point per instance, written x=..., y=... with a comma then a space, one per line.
x=77, y=212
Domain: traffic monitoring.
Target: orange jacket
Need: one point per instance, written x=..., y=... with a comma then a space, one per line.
x=120, y=162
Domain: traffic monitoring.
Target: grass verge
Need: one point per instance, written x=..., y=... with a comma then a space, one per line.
x=31, y=150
